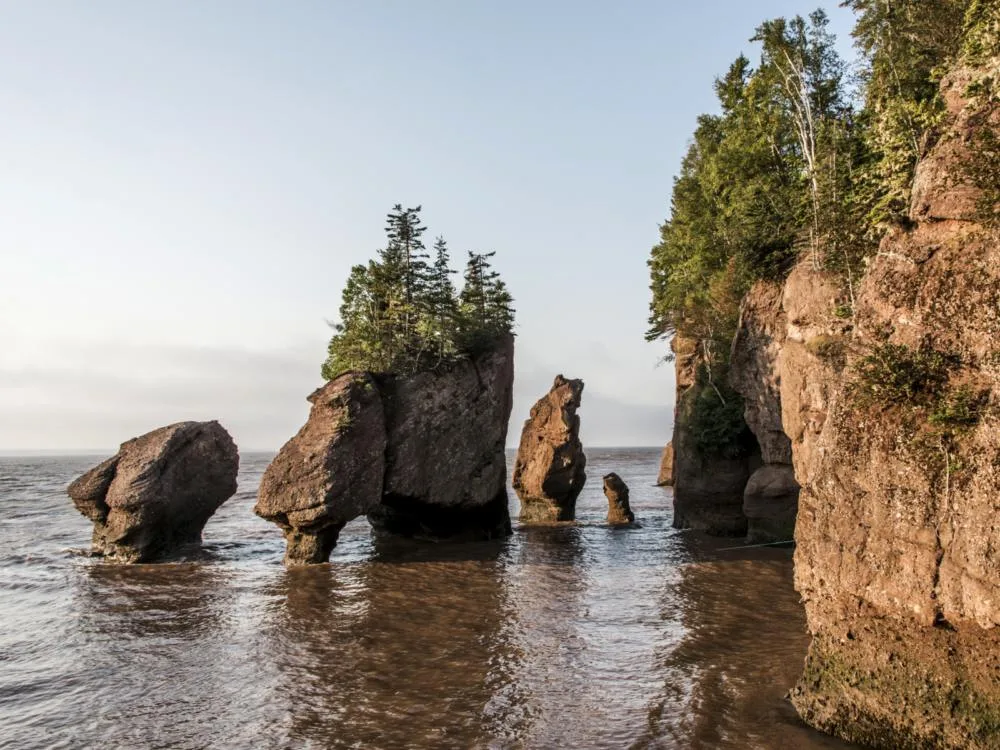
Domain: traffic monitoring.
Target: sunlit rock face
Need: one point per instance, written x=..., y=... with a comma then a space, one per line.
x=156, y=494
x=898, y=530
x=420, y=455
x=550, y=470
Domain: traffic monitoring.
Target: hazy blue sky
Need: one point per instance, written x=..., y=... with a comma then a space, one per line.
x=186, y=183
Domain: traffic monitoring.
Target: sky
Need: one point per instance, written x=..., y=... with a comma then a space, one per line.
x=186, y=184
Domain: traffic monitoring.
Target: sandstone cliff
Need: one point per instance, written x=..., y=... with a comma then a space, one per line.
x=420, y=456
x=709, y=479
x=898, y=555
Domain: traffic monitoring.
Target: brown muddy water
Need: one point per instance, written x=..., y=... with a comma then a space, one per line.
x=573, y=636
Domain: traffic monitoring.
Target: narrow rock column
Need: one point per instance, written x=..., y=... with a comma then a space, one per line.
x=549, y=472
x=616, y=491
x=666, y=475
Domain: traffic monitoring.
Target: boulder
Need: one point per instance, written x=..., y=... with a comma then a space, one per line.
x=330, y=472
x=549, y=472
x=420, y=455
x=616, y=491
x=158, y=491
x=666, y=475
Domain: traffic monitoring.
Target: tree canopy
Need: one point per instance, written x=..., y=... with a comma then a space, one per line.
x=401, y=313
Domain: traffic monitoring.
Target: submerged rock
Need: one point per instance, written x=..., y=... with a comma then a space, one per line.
x=420, y=455
x=158, y=491
x=666, y=475
x=616, y=491
x=550, y=469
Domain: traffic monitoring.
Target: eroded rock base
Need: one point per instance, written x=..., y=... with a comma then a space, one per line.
x=890, y=685
x=411, y=518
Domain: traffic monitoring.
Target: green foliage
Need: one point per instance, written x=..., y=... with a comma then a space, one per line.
x=716, y=422
x=958, y=410
x=401, y=314
x=982, y=169
x=906, y=44
x=760, y=181
x=982, y=32
x=832, y=349
x=897, y=374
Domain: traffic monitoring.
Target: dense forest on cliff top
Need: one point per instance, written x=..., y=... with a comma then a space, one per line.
x=401, y=313
x=809, y=159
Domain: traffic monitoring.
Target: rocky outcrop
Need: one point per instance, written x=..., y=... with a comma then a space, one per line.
x=666, y=476
x=419, y=455
x=616, y=491
x=771, y=495
x=158, y=491
x=550, y=469
x=331, y=471
x=708, y=483
x=898, y=533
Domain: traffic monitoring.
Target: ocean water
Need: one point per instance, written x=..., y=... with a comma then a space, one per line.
x=569, y=636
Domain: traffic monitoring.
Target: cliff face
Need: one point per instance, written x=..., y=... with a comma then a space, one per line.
x=708, y=485
x=770, y=497
x=898, y=532
x=420, y=456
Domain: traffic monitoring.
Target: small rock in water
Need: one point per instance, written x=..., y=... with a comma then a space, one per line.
x=616, y=491
x=158, y=491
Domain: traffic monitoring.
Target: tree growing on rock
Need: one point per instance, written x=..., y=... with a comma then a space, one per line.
x=401, y=313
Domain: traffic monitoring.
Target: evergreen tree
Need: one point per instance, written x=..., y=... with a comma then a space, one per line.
x=440, y=304
x=400, y=314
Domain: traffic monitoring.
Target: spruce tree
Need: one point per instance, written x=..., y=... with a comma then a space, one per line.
x=439, y=308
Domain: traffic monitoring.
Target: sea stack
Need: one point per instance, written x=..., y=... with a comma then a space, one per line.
x=420, y=455
x=158, y=491
x=616, y=491
x=666, y=475
x=550, y=469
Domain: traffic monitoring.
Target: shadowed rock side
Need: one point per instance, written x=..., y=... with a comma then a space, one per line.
x=549, y=473
x=616, y=491
x=708, y=488
x=330, y=472
x=666, y=475
x=420, y=456
x=445, y=460
x=158, y=491
x=898, y=533
x=771, y=495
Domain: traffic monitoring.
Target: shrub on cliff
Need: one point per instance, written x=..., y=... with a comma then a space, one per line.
x=401, y=314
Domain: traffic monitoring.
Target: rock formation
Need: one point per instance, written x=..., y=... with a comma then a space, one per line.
x=708, y=485
x=419, y=455
x=898, y=534
x=550, y=469
x=666, y=475
x=616, y=491
x=158, y=491
x=771, y=494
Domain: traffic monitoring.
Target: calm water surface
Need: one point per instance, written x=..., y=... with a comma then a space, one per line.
x=572, y=636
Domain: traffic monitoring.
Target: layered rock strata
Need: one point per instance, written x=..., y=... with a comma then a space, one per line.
x=421, y=456
x=156, y=494
x=549, y=473
x=616, y=491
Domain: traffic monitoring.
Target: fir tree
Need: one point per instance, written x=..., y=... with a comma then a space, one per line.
x=400, y=314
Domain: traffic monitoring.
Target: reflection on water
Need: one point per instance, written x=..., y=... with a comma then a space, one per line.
x=574, y=635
